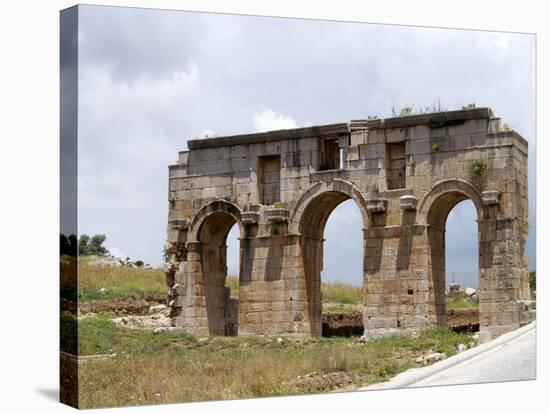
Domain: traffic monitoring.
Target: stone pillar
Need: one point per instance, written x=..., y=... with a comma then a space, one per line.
x=396, y=292
x=274, y=299
x=502, y=268
x=313, y=265
x=193, y=316
x=375, y=319
x=435, y=239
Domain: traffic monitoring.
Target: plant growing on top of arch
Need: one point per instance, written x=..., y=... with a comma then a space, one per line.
x=477, y=167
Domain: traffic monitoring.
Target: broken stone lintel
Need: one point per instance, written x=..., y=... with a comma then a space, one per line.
x=490, y=197
x=377, y=205
x=276, y=215
x=408, y=202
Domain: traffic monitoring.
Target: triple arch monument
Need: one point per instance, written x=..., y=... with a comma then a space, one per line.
x=405, y=174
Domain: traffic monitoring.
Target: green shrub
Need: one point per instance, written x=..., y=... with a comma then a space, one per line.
x=477, y=167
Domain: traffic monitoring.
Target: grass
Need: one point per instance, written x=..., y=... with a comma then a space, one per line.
x=232, y=282
x=125, y=282
x=339, y=292
x=341, y=308
x=118, y=282
x=334, y=292
x=97, y=335
x=461, y=301
x=165, y=368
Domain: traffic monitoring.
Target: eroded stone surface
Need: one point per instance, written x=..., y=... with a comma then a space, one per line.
x=405, y=174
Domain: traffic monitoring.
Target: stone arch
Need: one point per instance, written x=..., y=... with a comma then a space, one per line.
x=331, y=193
x=444, y=195
x=214, y=208
x=207, y=239
x=434, y=209
x=308, y=219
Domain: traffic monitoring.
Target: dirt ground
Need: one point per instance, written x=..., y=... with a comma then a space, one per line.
x=463, y=319
x=344, y=323
x=119, y=306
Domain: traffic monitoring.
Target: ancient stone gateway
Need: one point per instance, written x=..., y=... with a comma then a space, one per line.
x=404, y=174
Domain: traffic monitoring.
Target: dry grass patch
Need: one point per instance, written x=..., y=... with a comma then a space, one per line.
x=167, y=368
x=460, y=301
x=339, y=292
x=118, y=282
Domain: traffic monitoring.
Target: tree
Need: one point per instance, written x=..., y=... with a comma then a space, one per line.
x=96, y=242
x=83, y=245
x=88, y=246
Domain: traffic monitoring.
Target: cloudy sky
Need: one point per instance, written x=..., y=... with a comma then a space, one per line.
x=151, y=79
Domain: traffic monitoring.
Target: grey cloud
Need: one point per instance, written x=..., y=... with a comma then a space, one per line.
x=133, y=42
x=136, y=115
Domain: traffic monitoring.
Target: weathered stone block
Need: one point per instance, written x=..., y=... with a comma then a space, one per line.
x=276, y=215
x=250, y=217
x=377, y=205
x=490, y=197
x=408, y=202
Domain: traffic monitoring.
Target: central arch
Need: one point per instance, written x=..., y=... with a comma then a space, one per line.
x=308, y=219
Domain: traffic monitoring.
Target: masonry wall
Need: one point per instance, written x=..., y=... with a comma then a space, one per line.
x=218, y=181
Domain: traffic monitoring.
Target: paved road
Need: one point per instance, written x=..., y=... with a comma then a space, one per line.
x=511, y=361
x=512, y=357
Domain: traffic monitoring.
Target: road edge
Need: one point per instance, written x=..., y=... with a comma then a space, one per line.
x=413, y=375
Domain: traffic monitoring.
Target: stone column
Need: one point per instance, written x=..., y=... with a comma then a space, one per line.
x=502, y=268
x=312, y=266
x=193, y=317
x=273, y=296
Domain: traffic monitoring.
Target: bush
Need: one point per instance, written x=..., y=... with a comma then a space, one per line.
x=477, y=167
